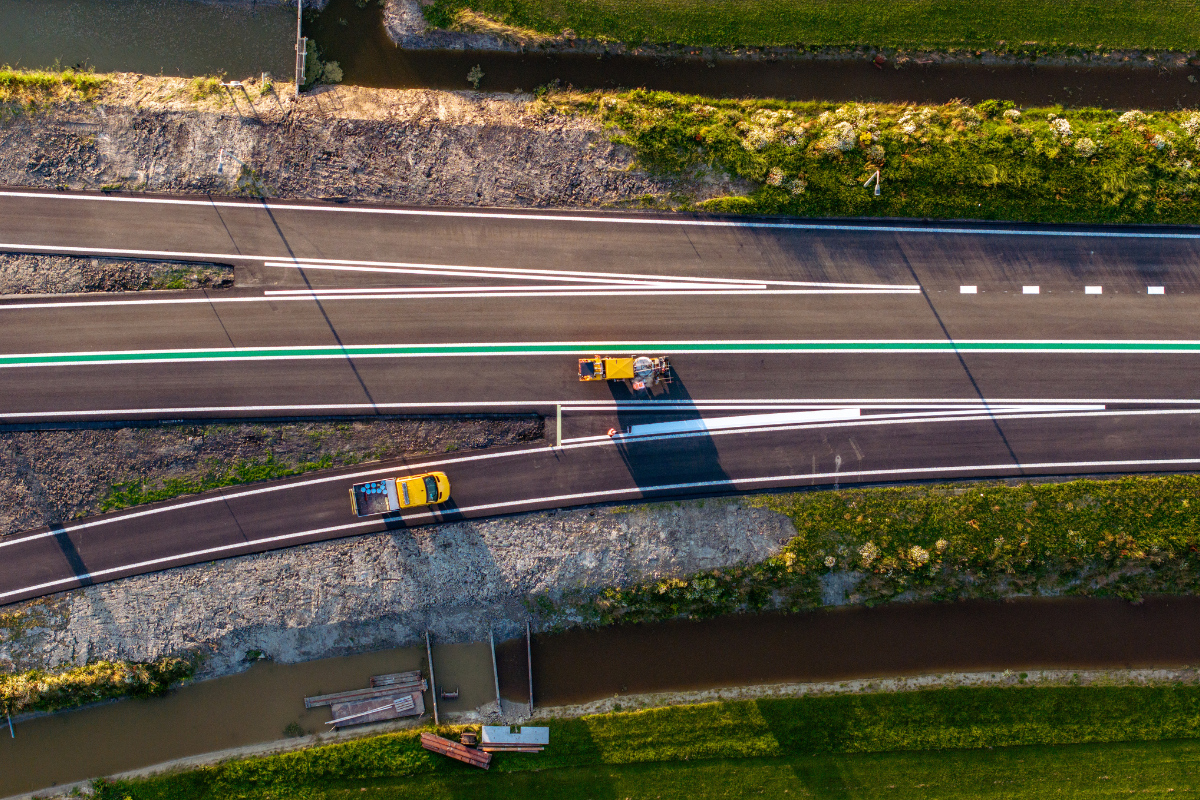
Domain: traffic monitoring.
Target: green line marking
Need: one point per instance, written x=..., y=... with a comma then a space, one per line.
x=594, y=348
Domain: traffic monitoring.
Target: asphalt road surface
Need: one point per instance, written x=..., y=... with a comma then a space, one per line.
x=933, y=351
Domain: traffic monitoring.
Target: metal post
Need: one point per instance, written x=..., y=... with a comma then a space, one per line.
x=10, y=730
x=558, y=427
x=432, y=681
x=529, y=663
x=495, y=672
x=301, y=48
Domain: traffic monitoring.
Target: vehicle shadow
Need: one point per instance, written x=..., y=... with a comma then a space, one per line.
x=689, y=463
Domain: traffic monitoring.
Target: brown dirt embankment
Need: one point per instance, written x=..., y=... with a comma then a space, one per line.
x=171, y=135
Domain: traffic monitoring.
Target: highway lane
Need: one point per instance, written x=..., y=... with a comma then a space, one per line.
x=364, y=311
x=871, y=449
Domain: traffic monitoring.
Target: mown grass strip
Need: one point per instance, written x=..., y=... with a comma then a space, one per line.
x=925, y=24
x=989, y=161
x=1125, y=538
x=1159, y=769
x=764, y=729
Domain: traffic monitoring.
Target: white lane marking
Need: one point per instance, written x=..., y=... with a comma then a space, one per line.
x=1156, y=290
x=701, y=223
x=1093, y=290
x=529, y=273
x=968, y=290
x=576, y=444
x=598, y=405
x=1031, y=290
x=580, y=497
x=752, y=421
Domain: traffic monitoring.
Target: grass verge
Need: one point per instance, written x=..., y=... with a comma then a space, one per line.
x=989, y=161
x=721, y=748
x=101, y=680
x=27, y=86
x=925, y=24
x=1123, y=538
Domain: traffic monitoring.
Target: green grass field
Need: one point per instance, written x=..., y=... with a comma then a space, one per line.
x=1159, y=24
x=1069, y=741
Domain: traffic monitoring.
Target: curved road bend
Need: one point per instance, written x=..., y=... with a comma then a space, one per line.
x=364, y=310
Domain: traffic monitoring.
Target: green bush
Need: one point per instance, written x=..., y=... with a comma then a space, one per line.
x=951, y=161
x=1122, y=538
x=25, y=86
x=101, y=680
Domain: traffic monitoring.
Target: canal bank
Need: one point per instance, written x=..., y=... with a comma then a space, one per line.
x=363, y=39
x=895, y=648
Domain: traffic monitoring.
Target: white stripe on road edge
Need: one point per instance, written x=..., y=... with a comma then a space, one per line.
x=986, y=415
x=751, y=421
x=593, y=405
x=702, y=223
x=614, y=494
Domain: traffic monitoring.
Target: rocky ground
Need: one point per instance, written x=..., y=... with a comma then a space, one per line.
x=402, y=146
x=37, y=274
x=383, y=590
x=58, y=475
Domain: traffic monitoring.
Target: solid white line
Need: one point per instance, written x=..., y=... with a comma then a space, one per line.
x=529, y=273
x=702, y=223
x=598, y=405
x=577, y=498
x=446, y=294
x=703, y=424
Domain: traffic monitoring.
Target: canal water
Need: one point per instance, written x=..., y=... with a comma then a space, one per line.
x=356, y=39
x=155, y=37
x=578, y=666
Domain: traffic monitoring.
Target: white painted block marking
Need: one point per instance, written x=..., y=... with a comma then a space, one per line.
x=747, y=421
x=968, y=290
x=1093, y=290
x=1031, y=290
x=1156, y=290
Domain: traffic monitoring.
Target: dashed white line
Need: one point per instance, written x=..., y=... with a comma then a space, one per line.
x=1093, y=290
x=1031, y=290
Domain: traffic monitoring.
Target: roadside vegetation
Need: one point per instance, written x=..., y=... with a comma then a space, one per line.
x=1124, y=538
x=989, y=161
x=809, y=746
x=925, y=24
x=43, y=86
x=101, y=680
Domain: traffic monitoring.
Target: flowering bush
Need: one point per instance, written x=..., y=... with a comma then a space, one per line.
x=100, y=680
x=1119, y=538
x=952, y=160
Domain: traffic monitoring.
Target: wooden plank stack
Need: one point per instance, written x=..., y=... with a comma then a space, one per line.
x=445, y=747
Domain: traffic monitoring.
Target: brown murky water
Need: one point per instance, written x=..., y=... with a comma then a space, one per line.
x=250, y=707
x=579, y=666
x=368, y=58
x=1074, y=633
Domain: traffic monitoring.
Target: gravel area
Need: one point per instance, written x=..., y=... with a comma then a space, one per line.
x=55, y=476
x=36, y=274
x=401, y=146
x=383, y=590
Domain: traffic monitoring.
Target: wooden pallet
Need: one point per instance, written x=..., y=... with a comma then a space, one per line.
x=445, y=747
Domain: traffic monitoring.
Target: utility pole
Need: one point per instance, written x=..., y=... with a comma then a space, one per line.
x=301, y=47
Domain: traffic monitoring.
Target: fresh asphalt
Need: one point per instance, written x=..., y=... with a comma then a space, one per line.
x=873, y=286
